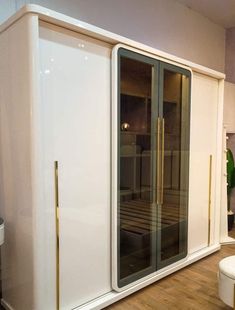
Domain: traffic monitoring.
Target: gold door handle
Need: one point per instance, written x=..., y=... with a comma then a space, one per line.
x=209, y=200
x=56, y=177
x=234, y=297
x=158, y=191
x=162, y=159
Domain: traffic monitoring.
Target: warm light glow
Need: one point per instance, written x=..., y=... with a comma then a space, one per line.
x=125, y=126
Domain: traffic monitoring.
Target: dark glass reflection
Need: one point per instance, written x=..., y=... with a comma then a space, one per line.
x=176, y=158
x=152, y=179
x=135, y=208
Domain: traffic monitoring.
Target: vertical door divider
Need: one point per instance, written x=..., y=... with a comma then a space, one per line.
x=57, y=235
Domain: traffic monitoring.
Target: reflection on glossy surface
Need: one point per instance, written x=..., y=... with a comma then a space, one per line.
x=153, y=165
x=76, y=132
x=135, y=210
x=176, y=159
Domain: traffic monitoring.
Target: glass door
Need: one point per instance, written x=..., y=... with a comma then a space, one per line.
x=174, y=110
x=136, y=178
x=153, y=163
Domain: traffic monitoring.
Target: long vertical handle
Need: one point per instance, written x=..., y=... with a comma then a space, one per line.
x=209, y=200
x=158, y=191
x=57, y=235
x=234, y=297
x=162, y=159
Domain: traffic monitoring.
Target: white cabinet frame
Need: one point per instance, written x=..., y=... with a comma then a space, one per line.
x=31, y=15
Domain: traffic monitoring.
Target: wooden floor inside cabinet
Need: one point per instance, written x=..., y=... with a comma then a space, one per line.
x=138, y=223
x=194, y=287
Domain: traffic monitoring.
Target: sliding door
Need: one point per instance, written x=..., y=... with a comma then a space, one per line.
x=150, y=218
x=174, y=110
x=136, y=210
x=75, y=136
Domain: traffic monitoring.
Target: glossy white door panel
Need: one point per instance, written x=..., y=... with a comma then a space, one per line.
x=202, y=145
x=75, y=97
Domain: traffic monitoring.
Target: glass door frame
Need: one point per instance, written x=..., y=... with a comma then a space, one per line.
x=157, y=100
x=123, y=52
x=173, y=68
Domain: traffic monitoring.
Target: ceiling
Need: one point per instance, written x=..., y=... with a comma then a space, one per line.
x=221, y=12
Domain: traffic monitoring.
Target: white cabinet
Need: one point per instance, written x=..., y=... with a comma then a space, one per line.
x=57, y=158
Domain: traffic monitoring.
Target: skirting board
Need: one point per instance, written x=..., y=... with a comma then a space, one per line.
x=113, y=296
x=6, y=305
x=227, y=240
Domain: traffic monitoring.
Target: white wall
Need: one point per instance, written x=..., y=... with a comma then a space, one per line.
x=229, y=55
x=7, y=8
x=163, y=24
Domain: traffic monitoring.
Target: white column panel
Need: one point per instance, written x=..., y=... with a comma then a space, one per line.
x=75, y=97
x=202, y=145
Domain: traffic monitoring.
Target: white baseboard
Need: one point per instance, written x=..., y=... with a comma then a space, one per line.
x=227, y=240
x=113, y=296
x=6, y=305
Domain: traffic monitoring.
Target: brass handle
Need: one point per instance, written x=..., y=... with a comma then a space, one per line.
x=162, y=157
x=57, y=235
x=234, y=297
x=158, y=162
x=209, y=200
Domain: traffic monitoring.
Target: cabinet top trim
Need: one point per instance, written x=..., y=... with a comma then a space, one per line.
x=76, y=25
